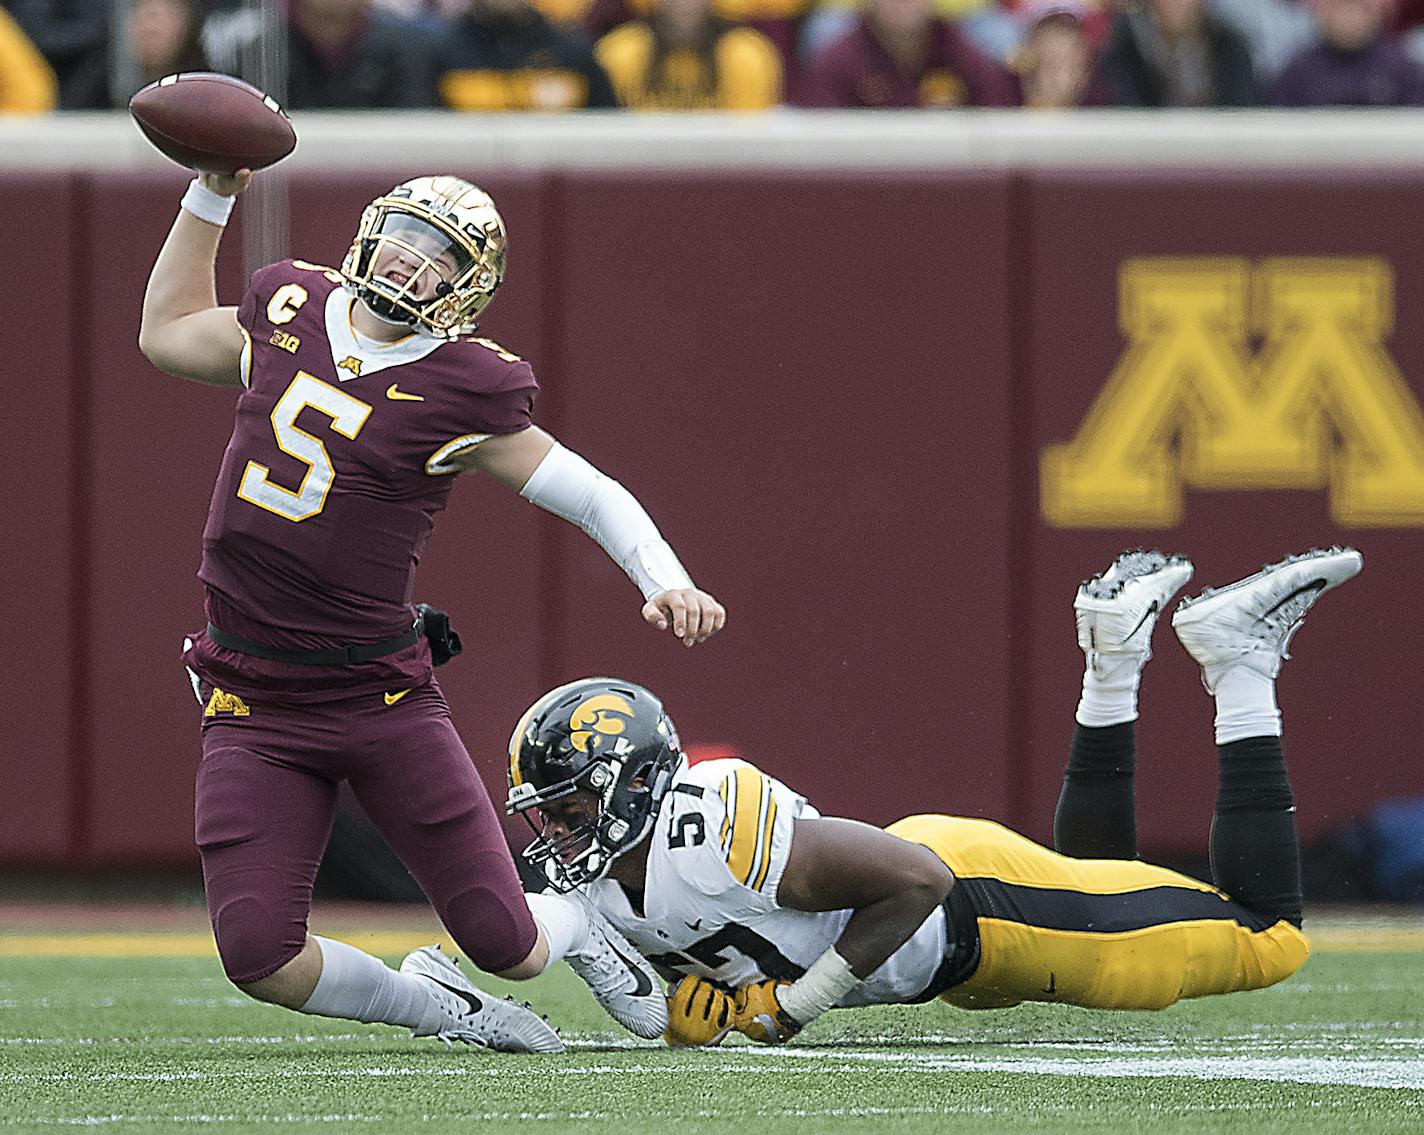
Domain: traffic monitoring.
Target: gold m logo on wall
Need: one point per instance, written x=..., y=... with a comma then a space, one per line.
x=1321, y=405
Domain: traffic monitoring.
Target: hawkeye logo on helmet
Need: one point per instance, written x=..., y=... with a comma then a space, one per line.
x=603, y=715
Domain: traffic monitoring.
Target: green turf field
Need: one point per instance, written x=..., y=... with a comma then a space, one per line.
x=158, y=1043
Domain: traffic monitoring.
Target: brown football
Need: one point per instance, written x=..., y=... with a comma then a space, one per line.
x=213, y=123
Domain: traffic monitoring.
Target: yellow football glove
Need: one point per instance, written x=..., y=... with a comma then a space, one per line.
x=699, y=1013
x=760, y=1015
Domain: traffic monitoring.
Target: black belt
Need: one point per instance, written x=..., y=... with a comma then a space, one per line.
x=332, y=656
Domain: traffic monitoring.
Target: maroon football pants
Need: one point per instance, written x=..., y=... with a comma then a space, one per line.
x=266, y=796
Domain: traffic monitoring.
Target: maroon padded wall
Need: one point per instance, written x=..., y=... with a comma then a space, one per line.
x=832, y=391
x=819, y=427
x=154, y=445
x=44, y=393
x=1347, y=737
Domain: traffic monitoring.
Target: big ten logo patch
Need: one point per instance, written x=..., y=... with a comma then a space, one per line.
x=220, y=703
x=1318, y=404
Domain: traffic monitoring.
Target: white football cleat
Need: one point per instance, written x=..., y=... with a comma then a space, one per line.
x=475, y=1017
x=620, y=979
x=1116, y=610
x=1252, y=621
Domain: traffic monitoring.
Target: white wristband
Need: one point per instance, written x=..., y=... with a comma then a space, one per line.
x=206, y=205
x=820, y=988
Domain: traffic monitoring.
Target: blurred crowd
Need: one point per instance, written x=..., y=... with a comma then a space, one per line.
x=746, y=55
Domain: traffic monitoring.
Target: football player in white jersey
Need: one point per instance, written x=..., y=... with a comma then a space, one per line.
x=766, y=914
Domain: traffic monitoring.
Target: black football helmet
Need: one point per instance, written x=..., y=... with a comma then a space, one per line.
x=610, y=737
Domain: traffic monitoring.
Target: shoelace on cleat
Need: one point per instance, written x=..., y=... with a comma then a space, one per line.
x=608, y=973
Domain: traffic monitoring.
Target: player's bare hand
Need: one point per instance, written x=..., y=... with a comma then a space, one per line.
x=227, y=185
x=692, y=614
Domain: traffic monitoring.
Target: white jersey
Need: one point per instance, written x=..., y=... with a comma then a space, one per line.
x=716, y=854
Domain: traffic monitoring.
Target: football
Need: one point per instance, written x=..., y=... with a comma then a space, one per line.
x=214, y=123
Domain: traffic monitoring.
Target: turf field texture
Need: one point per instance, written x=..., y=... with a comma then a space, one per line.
x=132, y=1027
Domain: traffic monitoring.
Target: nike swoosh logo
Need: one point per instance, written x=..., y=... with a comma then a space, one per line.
x=1147, y=614
x=643, y=986
x=467, y=997
x=391, y=699
x=1315, y=585
x=400, y=395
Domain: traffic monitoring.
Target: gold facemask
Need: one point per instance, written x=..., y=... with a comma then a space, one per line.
x=416, y=218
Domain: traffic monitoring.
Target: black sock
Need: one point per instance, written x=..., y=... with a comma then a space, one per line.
x=1096, y=816
x=1255, y=848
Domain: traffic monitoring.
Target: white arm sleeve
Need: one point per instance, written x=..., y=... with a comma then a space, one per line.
x=568, y=486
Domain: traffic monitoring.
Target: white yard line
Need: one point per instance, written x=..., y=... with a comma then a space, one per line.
x=1359, y=1072
x=1363, y=1072
x=484, y=1116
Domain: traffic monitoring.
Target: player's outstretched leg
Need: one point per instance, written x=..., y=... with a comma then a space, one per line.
x=1239, y=635
x=428, y=997
x=1115, y=612
x=472, y=1016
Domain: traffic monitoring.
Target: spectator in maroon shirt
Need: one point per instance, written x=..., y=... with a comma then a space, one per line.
x=1356, y=63
x=349, y=54
x=899, y=54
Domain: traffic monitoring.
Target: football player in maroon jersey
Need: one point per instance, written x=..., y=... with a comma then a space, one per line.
x=365, y=389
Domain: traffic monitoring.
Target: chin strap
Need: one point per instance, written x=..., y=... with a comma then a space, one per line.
x=392, y=316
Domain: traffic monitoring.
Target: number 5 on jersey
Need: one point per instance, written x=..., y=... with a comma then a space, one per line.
x=347, y=416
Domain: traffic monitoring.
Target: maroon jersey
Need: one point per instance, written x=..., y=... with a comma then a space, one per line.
x=340, y=457
x=857, y=71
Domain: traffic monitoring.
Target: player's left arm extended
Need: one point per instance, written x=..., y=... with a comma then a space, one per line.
x=892, y=885
x=559, y=480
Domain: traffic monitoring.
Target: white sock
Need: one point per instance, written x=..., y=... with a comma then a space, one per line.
x=357, y=987
x=564, y=920
x=1245, y=703
x=1110, y=692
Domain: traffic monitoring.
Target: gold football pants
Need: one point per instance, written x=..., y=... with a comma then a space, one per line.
x=1101, y=933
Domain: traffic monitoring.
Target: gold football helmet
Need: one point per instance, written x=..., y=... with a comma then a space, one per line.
x=430, y=253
